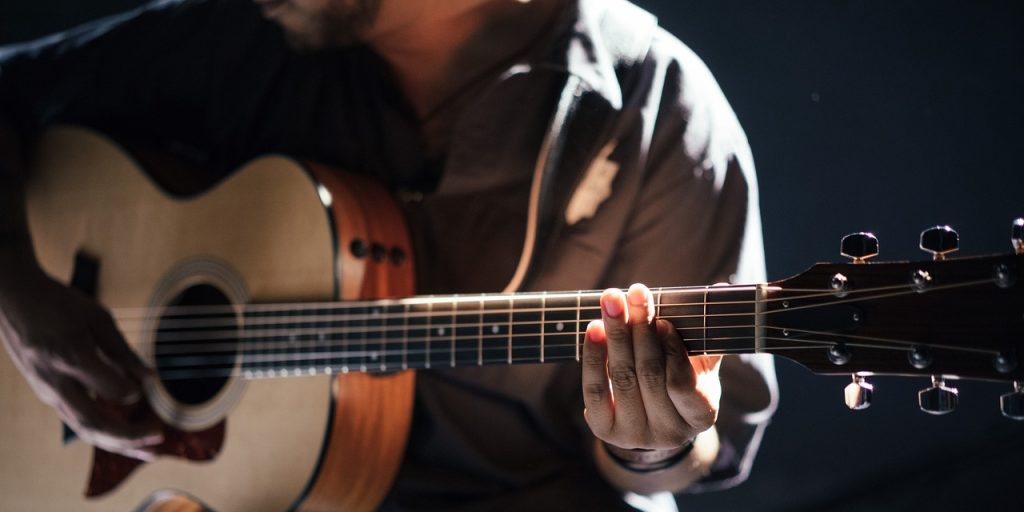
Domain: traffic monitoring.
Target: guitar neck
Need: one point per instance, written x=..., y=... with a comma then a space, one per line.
x=456, y=330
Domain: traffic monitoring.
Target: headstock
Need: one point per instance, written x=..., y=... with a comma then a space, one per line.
x=942, y=318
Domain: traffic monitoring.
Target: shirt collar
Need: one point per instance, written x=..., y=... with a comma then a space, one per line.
x=580, y=49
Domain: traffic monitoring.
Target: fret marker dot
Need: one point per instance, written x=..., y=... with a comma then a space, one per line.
x=440, y=331
x=311, y=371
x=328, y=370
x=373, y=356
x=248, y=374
x=560, y=327
x=284, y=373
x=495, y=329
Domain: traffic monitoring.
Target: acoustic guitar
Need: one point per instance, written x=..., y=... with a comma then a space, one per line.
x=270, y=307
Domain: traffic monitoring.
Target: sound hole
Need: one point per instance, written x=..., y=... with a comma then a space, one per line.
x=196, y=347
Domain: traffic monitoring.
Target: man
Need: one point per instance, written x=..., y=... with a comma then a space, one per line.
x=580, y=128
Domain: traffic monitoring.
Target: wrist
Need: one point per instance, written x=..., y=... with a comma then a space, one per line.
x=647, y=460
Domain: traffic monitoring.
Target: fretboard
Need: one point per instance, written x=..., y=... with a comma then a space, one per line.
x=472, y=330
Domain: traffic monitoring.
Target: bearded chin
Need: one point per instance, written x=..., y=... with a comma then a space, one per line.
x=333, y=28
x=320, y=38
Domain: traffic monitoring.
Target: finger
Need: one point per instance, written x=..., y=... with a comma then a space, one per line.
x=88, y=418
x=628, y=404
x=667, y=427
x=681, y=381
x=596, y=395
x=114, y=345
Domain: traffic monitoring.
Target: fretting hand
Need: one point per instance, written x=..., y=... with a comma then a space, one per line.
x=640, y=389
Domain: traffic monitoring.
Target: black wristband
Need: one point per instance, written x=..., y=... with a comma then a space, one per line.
x=638, y=463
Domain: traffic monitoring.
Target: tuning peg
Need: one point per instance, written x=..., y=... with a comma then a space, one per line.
x=940, y=241
x=858, y=393
x=938, y=399
x=859, y=246
x=1017, y=236
x=1012, y=404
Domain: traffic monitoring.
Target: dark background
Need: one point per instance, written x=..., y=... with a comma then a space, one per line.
x=887, y=116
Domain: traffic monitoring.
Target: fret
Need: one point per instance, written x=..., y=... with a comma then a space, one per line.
x=704, y=321
x=580, y=328
x=417, y=332
x=373, y=345
x=590, y=308
x=405, y=336
x=496, y=323
x=440, y=339
x=287, y=344
x=394, y=337
x=526, y=329
x=480, y=335
x=317, y=343
x=466, y=333
x=294, y=351
x=510, y=330
x=340, y=335
x=730, y=317
x=251, y=347
x=560, y=327
x=248, y=343
x=685, y=310
x=355, y=334
x=542, y=310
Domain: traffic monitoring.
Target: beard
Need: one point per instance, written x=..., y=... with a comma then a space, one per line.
x=331, y=24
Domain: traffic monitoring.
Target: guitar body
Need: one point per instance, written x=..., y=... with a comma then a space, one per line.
x=277, y=230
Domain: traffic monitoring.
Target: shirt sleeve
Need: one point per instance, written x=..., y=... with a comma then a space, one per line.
x=696, y=221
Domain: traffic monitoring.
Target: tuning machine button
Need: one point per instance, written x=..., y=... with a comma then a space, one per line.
x=940, y=241
x=1012, y=404
x=858, y=393
x=1017, y=236
x=859, y=246
x=938, y=399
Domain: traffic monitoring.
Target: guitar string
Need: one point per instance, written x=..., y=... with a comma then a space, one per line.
x=364, y=330
x=384, y=330
x=146, y=313
x=249, y=321
x=248, y=338
x=204, y=371
x=451, y=348
x=385, y=316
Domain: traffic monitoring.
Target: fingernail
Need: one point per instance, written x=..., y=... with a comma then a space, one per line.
x=612, y=306
x=595, y=332
x=153, y=439
x=636, y=295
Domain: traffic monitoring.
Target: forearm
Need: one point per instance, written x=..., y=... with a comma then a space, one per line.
x=672, y=479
